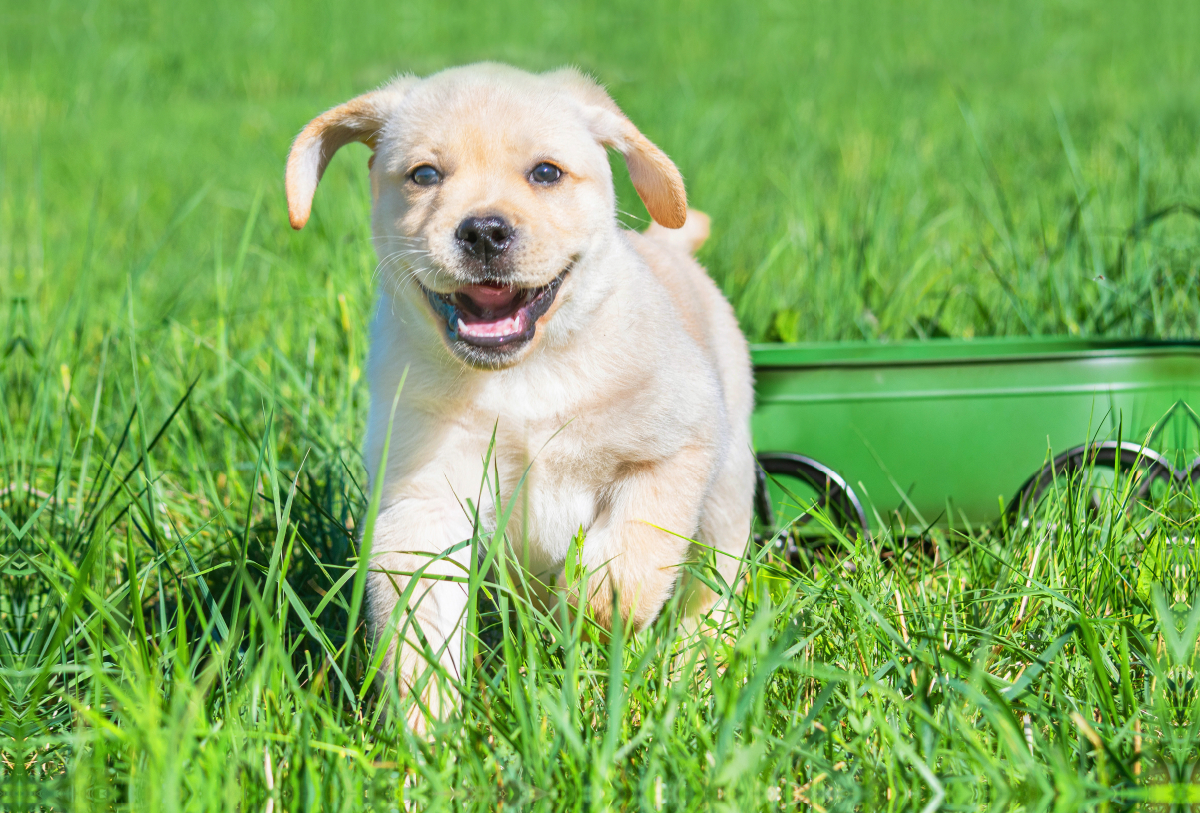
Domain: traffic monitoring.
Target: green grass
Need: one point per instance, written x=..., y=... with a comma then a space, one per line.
x=182, y=404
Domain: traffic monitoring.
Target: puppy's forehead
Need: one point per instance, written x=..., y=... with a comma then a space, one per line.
x=458, y=114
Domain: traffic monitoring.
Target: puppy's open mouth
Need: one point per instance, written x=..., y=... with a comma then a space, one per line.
x=488, y=316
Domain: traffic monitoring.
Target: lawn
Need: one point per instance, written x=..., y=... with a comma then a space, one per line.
x=181, y=405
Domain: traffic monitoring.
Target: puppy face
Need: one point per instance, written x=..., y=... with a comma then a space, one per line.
x=490, y=186
x=500, y=188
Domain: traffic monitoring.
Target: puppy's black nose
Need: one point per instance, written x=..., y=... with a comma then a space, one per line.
x=484, y=238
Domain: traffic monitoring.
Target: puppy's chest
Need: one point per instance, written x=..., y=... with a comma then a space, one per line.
x=561, y=452
x=554, y=492
x=549, y=517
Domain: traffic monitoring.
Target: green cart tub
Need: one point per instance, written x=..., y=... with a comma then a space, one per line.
x=944, y=431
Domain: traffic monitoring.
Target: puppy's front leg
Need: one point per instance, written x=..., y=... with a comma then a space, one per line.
x=409, y=535
x=633, y=548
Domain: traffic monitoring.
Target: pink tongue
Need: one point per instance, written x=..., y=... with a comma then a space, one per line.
x=490, y=298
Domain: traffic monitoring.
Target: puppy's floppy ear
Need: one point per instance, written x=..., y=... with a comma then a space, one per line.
x=359, y=119
x=654, y=175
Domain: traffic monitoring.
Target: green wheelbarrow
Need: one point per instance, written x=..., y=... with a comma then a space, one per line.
x=922, y=434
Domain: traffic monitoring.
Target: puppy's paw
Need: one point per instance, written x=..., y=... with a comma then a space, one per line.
x=437, y=702
x=426, y=691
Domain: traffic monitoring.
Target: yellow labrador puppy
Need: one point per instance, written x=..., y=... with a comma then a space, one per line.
x=607, y=360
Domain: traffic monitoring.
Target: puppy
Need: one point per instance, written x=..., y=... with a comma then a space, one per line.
x=608, y=363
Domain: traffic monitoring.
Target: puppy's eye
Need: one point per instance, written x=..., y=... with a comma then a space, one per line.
x=425, y=175
x=545, y=173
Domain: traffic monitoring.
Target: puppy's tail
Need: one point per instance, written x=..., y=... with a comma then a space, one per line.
x=688, y=238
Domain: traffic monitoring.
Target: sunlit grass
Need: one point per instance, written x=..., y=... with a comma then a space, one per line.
x=183, y=400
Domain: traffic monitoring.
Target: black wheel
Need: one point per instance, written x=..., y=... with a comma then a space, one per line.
x=1192, y=475
x=801, y=484
x=1101, y=464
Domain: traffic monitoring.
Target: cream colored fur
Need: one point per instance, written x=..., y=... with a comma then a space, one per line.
x=630, y=406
